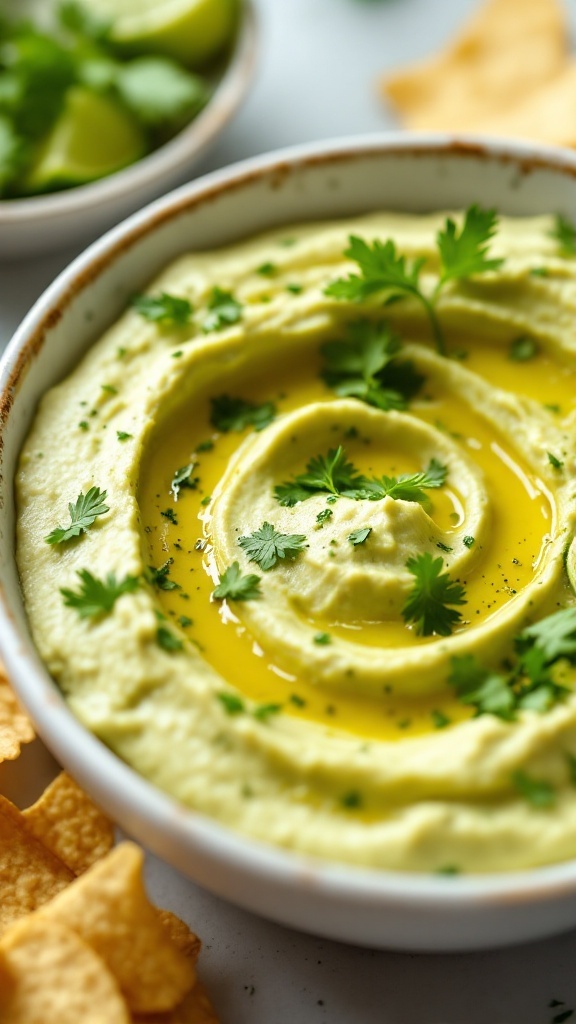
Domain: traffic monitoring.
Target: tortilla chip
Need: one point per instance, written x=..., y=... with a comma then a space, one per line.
x=69, y=824
x=195, y=1008
x=181, y=935
x=30, y=874
x=108, y=908
x=508, y=49
x=53, y=977
x=15, y=726
x=549, y=116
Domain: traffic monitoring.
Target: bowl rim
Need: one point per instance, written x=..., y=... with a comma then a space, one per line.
x=171, y=157
x=106, y=773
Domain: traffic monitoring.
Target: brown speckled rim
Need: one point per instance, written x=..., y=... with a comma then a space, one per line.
x=170, y=823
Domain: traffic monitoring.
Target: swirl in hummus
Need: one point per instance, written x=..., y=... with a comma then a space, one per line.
x=312, y=711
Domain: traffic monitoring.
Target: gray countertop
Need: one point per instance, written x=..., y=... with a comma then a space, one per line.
x=317, y=74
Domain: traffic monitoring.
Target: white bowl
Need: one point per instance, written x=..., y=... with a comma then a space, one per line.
x=374, y=908
x=52, y=221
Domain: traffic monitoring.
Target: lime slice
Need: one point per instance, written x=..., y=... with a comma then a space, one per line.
x=93, y=137
x=191, y=31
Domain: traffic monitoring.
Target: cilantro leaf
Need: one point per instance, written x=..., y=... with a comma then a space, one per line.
x=166, y=639
x=427, y=605
x=224, y=311
x=236, y=414
x=236, y=586
x=407, y=486
x=523, y=349
x=159, y=91
x=465, y=253
x=266, y=546
x=97, y=597
x=77, y=18
x=159, y=577
x=331, y=473
x=564, y=233
x=488, y=692
x=537, y=792
x=384, y=270
x=82, y=515
x=555, y=636
x=360, y=367
x=165, y=309
x=232, y=704
x=359, y=536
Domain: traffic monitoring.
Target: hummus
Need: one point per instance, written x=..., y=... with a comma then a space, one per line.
x=311, y=710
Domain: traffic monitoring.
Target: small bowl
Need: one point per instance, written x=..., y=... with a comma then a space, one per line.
x=374, y=908
x=52, y=221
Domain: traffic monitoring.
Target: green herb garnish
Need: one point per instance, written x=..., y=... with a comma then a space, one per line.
x=225, y=310
x=359, y=536
x=554, y=461
x=165, y=309
x=237, y=414
x=537, y=792
x=384, y=270
x=432, y=594
x=564, y=233
x=82, y=515
x=167, y=641
x=236, y=586
x=95, y=596
x=122, y=435
x=523, y=349
x=266, y=546
x=232, y=704
x=183, y=478
x=364, y=367
x=159, y=577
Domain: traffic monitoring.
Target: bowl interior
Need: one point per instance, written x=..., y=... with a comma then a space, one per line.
x=325, y=181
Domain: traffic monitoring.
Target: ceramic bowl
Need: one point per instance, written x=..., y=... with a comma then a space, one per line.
x=374, y=908
x=52, y=221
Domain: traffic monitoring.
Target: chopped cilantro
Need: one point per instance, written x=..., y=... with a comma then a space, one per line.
x=236, y=586
x=266, y=546
x=364, y=367
x=82, y=515
x=265, y=711
x=298, y=701
x=160, y=92
x=206, y=500
x=84, y=425
x=468, y=541
x=205, y=446
x=109, y=388
x=359, y=536
x=159, y=577
x=224, y=311
x=439, y=719
x=232, y=704
x=523, y=349
x=167, y=641
x=322, y=639
x=352, y=799
x=564, y=233
x=529, y=684
x=324, y=516
x=537, y=792
x=554, y=461
x=465, y=254
x=237, y=414
x=295, y=289
x=184, y=621
x=449, y=870
x=170, y=515
x=97, y=597
x=167, y=310
x=267, y=269
x=122, y=435
x=427, y=605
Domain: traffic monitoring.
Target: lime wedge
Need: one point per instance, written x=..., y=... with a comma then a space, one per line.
x=94, y=136
x=191, y=31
